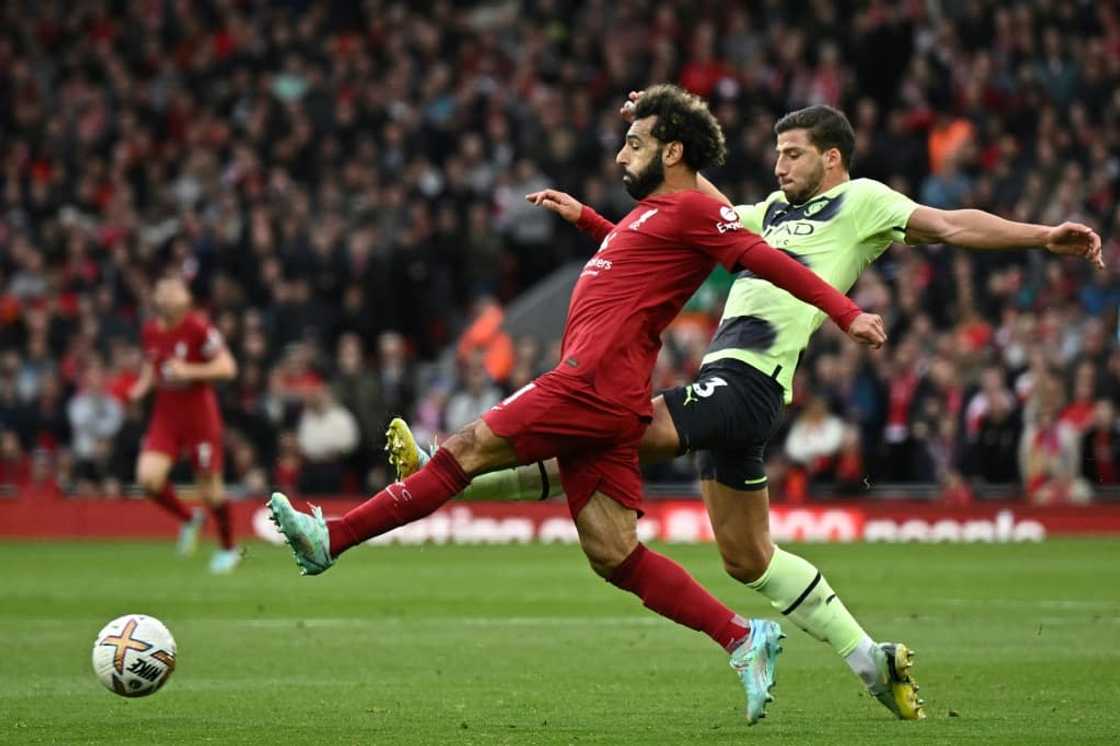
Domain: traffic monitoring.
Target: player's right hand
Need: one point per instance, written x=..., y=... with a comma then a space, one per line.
x=868, y=329
x=627, y=110
x=561, y=203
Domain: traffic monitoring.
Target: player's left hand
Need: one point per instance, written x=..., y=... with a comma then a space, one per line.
x=868, y=329
x=1075, y=239
x=176, y=370
x=627, y=110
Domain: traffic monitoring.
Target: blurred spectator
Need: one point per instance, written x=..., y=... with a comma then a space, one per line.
x=477, y=395
x=289, y=464
x=356, y=387
x=243, y=471
x=994, y=455
x=395, y=374
x=1100, y=447
x=526, y=365
x=15, y=467
x=486, y=338
x=48, y=420
x=1049, y=451
x=815, y=438
x=327, y=434
x=95, y=417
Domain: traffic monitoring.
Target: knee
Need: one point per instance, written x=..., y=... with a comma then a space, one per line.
x=747, y=562
x=605, y=556
x=150, y=480
x=477, y=449
x=210, y=493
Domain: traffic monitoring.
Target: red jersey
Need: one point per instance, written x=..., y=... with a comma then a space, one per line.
x=645, y=270
x=193, y=340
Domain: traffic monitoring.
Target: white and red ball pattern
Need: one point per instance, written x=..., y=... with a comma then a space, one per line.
x=134, y=655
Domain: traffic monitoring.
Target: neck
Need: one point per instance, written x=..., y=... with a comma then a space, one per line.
x=676, y=180
x=830, y=180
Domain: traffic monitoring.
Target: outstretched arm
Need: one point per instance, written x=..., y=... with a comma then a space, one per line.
x=977, y=229
x=143, y=384
x=801, y=282
x=572, y=210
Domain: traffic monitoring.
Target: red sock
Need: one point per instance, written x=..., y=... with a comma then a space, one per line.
x=225, y=524
x=402, y=502
x=167, y=500
x=667, y=588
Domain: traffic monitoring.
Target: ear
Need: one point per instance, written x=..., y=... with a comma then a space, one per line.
x=673, y=153
x=833, y=158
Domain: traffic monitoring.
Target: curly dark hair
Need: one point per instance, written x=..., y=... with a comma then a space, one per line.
x=827, y=127
x=683, y=117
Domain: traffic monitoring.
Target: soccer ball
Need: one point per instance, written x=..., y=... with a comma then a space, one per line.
x=134, y=655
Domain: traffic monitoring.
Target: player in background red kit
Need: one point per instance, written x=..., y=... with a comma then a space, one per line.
x=184, y=355
x=592, y=409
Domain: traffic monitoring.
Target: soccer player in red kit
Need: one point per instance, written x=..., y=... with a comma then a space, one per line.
x=591, y=410
x=184, y=355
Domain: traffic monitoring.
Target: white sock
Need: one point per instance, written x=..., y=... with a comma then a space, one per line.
x=864, y=662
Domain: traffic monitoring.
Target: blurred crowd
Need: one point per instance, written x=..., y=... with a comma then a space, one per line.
x=343, y=185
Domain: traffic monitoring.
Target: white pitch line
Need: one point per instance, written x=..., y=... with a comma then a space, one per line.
x=1041, y=603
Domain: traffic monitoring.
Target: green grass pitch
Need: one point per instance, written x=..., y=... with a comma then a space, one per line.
x=522, y=644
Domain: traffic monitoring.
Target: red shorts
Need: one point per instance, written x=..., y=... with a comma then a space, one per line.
x=595, y=442
x=200, y=438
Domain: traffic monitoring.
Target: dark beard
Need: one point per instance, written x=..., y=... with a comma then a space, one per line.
x=806, y=194
x=642, y=184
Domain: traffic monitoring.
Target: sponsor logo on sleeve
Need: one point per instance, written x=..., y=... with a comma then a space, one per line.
x=730, y=220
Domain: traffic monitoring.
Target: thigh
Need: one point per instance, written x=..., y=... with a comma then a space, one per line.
x=725, y=408
x=478, y=449
x=206, y=451
x=660, y=442
x=545, y=419
x=737, y=469
x=608, y=532
x=611, y=470
x=740, y=518
x=153, y=467
x=162, y=437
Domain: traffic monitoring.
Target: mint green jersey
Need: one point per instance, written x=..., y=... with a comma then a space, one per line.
x=836, y=234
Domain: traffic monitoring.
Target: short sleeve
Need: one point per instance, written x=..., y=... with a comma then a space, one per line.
x=715, y=229
x=882, y=210
x=209, y=339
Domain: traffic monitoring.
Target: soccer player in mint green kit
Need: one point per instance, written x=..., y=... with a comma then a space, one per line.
x=836, y=226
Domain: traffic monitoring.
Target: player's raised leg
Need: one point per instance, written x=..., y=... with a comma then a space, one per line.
x=152, y=470
x=317, y=543
x=798, y=590
x=536, y=481
x=608, y=536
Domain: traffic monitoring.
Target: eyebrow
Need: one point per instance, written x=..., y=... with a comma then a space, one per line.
x=631, y=136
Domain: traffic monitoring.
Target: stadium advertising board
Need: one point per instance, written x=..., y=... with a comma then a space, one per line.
x=677, y=521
